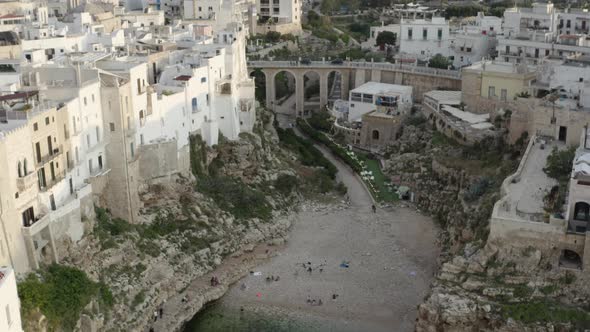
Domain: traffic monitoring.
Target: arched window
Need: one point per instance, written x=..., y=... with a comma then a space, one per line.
x=570, y=259
x=20, y=171
x=375, y=134
x=582, y=211
x=194, y=104
x=25, y=168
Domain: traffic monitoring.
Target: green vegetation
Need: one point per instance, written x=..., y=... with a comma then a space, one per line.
x=198, y=155
x=378, y=186
x=559, y=163
x=234, y=196
x=61, y=293
x=440, y=62
x=286, y=183
x=321, y=27
x=309, y=155
x=321, y=120
x=477, y=189
x=386, y=37
x=559, y=166
x=539, y=311
x=383, y=189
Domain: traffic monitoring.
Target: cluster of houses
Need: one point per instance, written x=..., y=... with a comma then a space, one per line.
x=98, y=98
x=523, y=75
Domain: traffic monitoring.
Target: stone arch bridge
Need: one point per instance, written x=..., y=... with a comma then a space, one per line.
x=352, y=75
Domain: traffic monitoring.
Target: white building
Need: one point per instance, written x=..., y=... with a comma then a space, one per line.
x=542, y=16
x=425, y=38
x=368, y=96
x=542, y=31
x=474, y=40
x=10, y=320
x=283, y=16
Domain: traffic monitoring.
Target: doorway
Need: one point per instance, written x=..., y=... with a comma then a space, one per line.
x=562, y=133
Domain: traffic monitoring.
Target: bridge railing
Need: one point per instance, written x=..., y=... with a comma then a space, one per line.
x=357, y=64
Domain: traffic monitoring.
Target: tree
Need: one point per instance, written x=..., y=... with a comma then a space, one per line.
x=559, y=163
x=439, y=61
x=328, y=6
x=386, y=37
x=273, y=36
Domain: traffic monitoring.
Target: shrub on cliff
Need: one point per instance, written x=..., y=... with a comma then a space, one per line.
x=235, y=197
x=60, y=293
x=559, y=163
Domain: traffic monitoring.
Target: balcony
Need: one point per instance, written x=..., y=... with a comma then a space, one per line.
x=35, y=226
x=50, y=156
x=26, y=182
x=223, y=87
x=49, y=183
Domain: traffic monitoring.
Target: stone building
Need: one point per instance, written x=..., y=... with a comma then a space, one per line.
x=380, y=127
x=488, y=85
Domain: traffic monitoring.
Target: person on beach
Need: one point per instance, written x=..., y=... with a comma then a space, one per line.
x=155, y=316
x=161, y=312
x=374, y=208
x=309, y=270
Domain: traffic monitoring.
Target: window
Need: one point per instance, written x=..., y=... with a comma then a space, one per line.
x=47, y=120
x=85, y=101
x=93, y=98
x=132, y=149
x=203, y=79
x=97, y=134
x=112, y=126
x=503, y=94
x=194, y=104
x=200, y=9
x=375, y=134
x=20, y=170
x=90, y=166
x=410, y=33
x=439, y=34
x=581, y=79
x=35, y=126
x=8, y=318
x=141, y=139
x=491, y=92
x=424, y=33
x=88, y=140
x=138, y=86
x=207, y=99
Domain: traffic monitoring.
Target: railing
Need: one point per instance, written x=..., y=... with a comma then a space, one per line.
x=50, y=156
x=34, y=226
x=60, y=175
x=26, y=182
x=455, y=74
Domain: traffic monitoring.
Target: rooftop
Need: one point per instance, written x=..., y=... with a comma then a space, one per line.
x=524, y=195
x=445, y=97
x=383, y=89
x=500, y=67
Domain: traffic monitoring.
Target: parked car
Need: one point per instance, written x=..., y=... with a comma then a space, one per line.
x=337, y=62
x=305, y=62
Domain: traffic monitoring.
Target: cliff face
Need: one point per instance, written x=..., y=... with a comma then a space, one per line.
x=481, y=286
x=241, y=193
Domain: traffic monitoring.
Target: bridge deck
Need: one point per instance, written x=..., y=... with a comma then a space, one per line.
x=358, y=65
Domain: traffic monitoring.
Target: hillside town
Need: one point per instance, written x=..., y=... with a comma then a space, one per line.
x=321, y=165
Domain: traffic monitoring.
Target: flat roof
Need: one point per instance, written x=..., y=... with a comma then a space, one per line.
x=382, y=88
x=446, y=97
x=499, y=67
x=469, y=117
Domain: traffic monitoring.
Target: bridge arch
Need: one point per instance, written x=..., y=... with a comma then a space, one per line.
x=335, y=86
x=260, y=83
x=284, y=92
